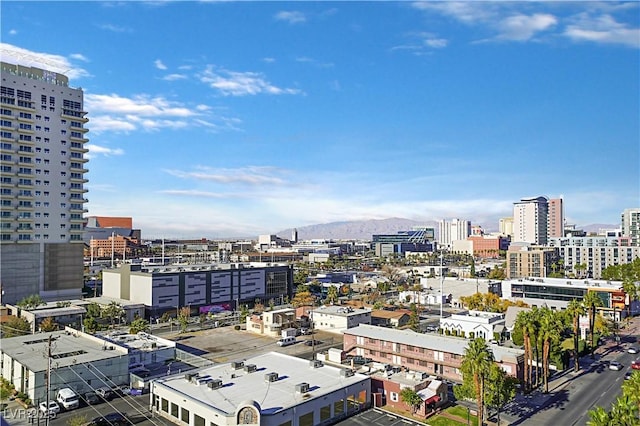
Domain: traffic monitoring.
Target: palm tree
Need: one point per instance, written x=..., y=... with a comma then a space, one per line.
x=534, y=333
x=591, y=301
x=477, y=363
x=522, y=323
x=332, y=295
x=575, y=310
x=550, y=328
x=599, y=417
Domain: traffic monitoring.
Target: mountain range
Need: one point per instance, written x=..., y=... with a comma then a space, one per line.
x=364, y=229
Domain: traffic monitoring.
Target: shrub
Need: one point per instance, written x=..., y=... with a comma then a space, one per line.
x=237, y=327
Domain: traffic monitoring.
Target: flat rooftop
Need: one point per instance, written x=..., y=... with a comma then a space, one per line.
x=66, y=350
x=239, y=385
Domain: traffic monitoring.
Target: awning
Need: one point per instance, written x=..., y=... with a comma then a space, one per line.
x=433, y=399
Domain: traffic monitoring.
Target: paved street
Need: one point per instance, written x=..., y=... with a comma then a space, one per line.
x=572, y=395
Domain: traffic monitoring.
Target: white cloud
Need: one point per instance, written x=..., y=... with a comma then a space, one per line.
x=56, y=63
x=120, y=114
x=13, y=32
x=79, y=57
x=159, y=65
x=468, y=12
x=233, y=83
x=602, y=29
x=251, y=175
x=524, y=27
x=97, y=150
x=114, y=28
x=174, y=77
x=291, y=17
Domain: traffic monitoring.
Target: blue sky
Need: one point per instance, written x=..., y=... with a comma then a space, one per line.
x=216, y=119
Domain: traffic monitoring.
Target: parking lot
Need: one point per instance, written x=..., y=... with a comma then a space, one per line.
x=225, y=344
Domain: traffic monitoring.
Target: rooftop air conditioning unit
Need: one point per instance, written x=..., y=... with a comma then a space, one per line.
x=189, y=376
x=315, y=363
x=346, y=372
x=250, y=368
x=302, y=387
x=215, y=384
x=237, y=365
x=271, y=377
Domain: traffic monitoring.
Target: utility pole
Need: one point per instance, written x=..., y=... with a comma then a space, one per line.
x=47, y=418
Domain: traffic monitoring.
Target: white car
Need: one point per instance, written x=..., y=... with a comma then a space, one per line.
x=50, y=409
x=632, y=350
x=615, y=365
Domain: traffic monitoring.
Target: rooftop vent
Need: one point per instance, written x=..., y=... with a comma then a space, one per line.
x=346, y=372
x=250, y=368
x=271, y=377
x=214, y=384
x=189, y=376
x=315, y=363
x=237, y=365
x=302, y=387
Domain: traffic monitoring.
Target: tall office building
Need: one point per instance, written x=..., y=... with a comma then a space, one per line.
x=454, y=230
x=530, y=220
x=505, y=226
x=42, y=183
x=630, y=225
x=555, y=218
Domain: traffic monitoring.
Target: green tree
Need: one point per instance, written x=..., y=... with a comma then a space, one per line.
x=476, y=367
x=591, y=302
x=414, y=319
x=183, y=318
x=31, y=302
x=112, y=311
x=624, y=411
x=523, y=324
x=551, y=327
x=332, y=294
x=93, y=310
x=91, y=325
x=15, y=326
x=303, y=298
x=138, y=325
x=575, y=310
x=411, y=398
x=500, y=388
x=599, y=417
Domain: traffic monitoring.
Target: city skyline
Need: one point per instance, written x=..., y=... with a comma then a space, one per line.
x=216, y=119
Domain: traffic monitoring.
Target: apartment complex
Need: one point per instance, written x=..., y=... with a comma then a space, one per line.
x=630, y=224
x=42, y=183
x=525, y=260
x=430, y=353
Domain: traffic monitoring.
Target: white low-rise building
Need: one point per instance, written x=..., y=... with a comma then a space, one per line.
x=338, y=318
x=272, y=389
x=474, y=324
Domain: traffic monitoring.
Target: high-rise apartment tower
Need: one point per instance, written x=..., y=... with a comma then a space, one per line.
x=530, y=220
x=454, y=230
x=630, y=225
x=42, y=184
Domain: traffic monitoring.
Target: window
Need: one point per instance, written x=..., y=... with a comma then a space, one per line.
x=174, y=410
x=165, y=405
x=184, y=415
x=394, y=396
x=197, y=420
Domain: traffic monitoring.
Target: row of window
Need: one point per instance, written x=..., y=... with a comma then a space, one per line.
x=27, y=237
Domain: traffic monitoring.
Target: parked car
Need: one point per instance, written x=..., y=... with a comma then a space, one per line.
x=111, y=419
x=632, y=350
x=312, y=342
x=105, y=393
x=122, y=390
x=615, y=365
x=92, y=398
x=627, y=375
x=49, y=409
x=635, y=364
x=358, y=359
